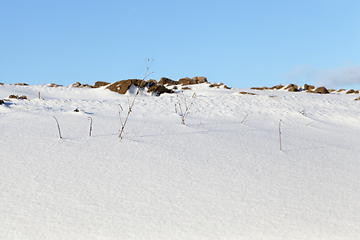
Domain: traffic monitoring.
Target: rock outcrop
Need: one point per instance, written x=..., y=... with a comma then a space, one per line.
x=100, y=84
x=123, y=86
x=321, y=90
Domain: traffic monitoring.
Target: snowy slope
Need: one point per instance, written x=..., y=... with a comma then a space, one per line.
x=214, y=178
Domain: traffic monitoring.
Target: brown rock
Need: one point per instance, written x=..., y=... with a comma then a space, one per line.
x=1, y=83
x=259, y=88
x=186, y=81
x=194, y=80
x=123, y=86
x=321, y=90
x=77, y=84
x=54, y=85
x=350, y=91
x=293, y=87
x=151, y=81
x=186, y=88
x=277, y=87
x=159, y=89
x=14, y=96
x=100, y=84
x=21, y=84
x=200, y=79
x=247, y=93
x=167, y=81
x=307, y=87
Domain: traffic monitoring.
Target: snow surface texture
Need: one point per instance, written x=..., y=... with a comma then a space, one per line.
x=214, y=178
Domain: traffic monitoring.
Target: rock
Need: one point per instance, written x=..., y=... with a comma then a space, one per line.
x=14, y=96
x=1, y=83
x=23, y=97
x=307, y=87
x=159, y=89
x=1, y=102
x=247, y=93
x=100, y=84
x=186, y=81
x=186, y=88
x=292, y=88
x=194, y=80
x=258, y=88
x=21, y=84
x=277, y=87
x=357, y=99
x=54, y=85
x=167, y=81
x=77, y=84
x=352, y=91
x=200, y=79
x=123, y=86
x=152, y=81
x=321, y=90
x=219, y=85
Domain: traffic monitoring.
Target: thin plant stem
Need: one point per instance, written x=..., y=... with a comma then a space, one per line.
x=90, y=125
x=280, y=133
x=244, y=118
x=58, y=127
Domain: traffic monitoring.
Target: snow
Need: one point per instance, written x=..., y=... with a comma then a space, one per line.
x=214, y=178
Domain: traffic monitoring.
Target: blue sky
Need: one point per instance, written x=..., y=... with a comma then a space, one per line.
x=240, y=43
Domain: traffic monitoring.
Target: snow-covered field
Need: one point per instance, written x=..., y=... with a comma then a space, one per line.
x=214, y=178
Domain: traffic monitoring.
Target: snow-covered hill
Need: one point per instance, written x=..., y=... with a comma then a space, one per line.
x=221, y=176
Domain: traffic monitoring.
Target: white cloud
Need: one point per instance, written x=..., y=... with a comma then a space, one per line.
x=332, y=78
x=340, y=76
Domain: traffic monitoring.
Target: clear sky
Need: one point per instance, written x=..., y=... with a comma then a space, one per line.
x=240, y=43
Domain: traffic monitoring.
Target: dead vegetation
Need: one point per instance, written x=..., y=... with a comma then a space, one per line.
x=184, y=110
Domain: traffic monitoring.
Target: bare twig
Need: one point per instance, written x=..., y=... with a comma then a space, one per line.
x=120, y=109
x=58, y=126
x=123, y=124
x=186, y=112
x=244, y=118
x=127, y=116
x=280, y=133
x=147, y=60
x=90, y=125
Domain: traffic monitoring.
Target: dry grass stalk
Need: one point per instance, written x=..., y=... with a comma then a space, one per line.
x=148, y=65
x=90, y=125
x=244, y=118
x=186, y=111
x=280, y=133
x=58, y=127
